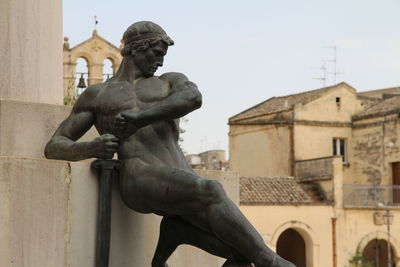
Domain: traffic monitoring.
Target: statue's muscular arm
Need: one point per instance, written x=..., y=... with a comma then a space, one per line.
x=184, y=98
x=63, y=144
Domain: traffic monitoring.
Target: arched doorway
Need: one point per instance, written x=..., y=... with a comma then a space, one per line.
x=291, y=246
x=376, y=253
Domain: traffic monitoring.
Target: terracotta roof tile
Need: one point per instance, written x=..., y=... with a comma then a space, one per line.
x=276, y=190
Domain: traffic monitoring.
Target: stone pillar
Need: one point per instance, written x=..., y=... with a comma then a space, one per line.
x=338, y=212
x=338, y=182
x=31, y=80
x=95, y=73
x=31, y=51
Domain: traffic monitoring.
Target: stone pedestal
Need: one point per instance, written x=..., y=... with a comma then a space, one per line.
x=48, y=218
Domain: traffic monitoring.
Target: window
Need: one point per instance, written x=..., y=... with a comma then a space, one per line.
x=338, y=102
x=396, y=182
x=339, y=148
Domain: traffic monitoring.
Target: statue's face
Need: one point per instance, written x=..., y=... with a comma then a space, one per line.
x=149, y=60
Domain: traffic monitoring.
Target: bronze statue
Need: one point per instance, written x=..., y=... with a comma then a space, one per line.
x=137, y=115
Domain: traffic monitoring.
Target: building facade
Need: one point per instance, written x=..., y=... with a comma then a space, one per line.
x=342, y=150
x=209, y=160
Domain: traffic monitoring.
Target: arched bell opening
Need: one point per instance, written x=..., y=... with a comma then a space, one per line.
x=81, y=75
x=108, y=69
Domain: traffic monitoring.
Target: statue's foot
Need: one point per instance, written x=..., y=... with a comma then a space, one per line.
x=229, y=263
x=280, y=262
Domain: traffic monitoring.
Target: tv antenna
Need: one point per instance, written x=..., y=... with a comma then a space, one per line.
x=334, y=60
x=324, y=72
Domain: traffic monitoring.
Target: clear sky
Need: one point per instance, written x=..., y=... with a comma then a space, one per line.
x=240, y=53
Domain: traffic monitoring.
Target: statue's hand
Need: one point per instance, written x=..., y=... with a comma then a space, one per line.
x=105, y=146
x=126, y=123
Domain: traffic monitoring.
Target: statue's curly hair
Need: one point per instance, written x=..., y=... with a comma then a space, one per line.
x=141, y=35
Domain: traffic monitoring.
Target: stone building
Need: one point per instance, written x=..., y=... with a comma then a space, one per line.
x=336, y=154
x=94, y=51
x=209, y=160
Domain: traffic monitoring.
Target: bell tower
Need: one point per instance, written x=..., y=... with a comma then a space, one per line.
x=94, y=51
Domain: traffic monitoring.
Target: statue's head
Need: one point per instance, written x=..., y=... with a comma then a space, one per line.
x=142, y=35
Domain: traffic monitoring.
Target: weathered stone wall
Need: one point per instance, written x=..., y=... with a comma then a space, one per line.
x=314, y=169
x=375, y=146
x=260, y=150
x=326, y=109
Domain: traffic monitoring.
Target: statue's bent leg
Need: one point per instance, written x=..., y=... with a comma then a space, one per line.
x=177, y=192
x=174, y=231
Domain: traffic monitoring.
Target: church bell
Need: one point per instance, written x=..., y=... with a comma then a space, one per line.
x=81, y=83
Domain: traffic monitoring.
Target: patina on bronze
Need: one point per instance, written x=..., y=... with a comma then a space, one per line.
x=137, y=115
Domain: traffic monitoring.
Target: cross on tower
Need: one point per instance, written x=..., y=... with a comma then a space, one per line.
x=95, y=22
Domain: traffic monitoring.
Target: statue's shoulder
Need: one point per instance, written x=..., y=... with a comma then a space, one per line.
x=173, y=77
x=86, y=100
x=93, y=90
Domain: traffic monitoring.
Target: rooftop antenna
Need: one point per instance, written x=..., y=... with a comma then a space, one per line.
x=334, y=60
x=323, y=78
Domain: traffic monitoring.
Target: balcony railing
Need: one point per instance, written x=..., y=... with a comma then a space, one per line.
x=371, y=196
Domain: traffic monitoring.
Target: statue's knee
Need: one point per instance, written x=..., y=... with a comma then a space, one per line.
x=213, y=191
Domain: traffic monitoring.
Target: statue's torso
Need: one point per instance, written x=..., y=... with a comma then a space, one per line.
x=153, y=144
